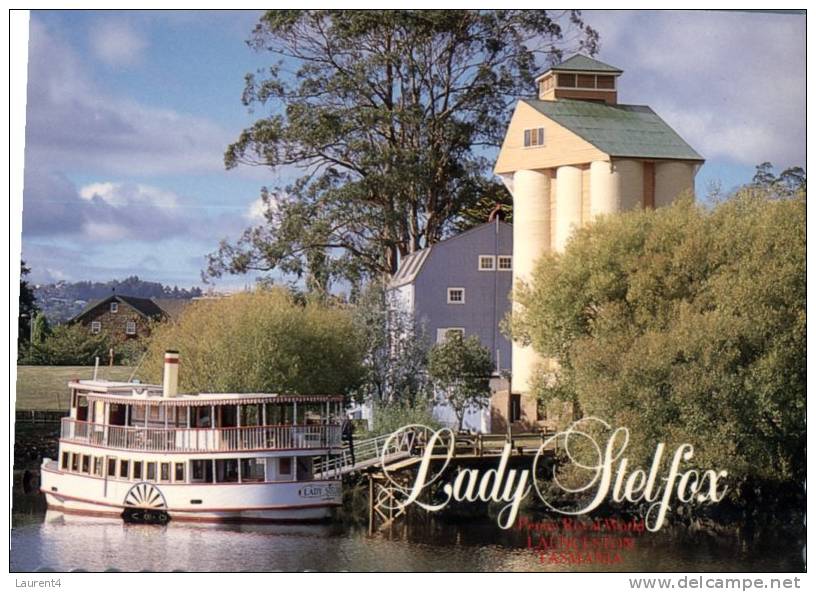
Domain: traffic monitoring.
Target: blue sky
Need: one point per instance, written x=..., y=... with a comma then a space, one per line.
x=129, y=113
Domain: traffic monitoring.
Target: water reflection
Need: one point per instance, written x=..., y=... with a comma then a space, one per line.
x=66, y=542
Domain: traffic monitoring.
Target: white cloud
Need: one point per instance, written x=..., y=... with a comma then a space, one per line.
x=732, y=84
x=72, y=123
x=117, y=44
x=123, y=194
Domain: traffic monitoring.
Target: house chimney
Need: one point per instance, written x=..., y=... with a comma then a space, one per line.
x=171, y=362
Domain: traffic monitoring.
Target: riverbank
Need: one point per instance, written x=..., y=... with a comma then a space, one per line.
x=46, y=387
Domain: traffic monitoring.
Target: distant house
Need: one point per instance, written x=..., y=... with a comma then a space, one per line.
x=463, y=284
x=127, y=317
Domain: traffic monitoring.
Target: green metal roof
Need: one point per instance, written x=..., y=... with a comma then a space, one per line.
x=585, y=63
x=618, y=130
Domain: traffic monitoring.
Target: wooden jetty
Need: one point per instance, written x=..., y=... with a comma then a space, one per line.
x=384, y=460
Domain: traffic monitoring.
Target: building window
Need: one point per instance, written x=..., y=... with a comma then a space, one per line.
x=443, y=333
x=605, y=82
x=130, y=328
x=515, y=408
x=487, y=262
x=96, y=327
x=566, y=80
x=114, y=307
x=456, y=295
x=505, y=262
x=586, y=81
x=534, y=137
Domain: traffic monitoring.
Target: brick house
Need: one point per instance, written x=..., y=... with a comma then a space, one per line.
x=124, y=317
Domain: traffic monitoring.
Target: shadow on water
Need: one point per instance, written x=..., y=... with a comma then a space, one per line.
x=44, y=540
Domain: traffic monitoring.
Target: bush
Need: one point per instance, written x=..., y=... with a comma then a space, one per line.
x=260, y=342
x=68, y=345
x=684, y=324
x=389, y=418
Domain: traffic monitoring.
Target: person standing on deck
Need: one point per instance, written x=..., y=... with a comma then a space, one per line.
x=347, y=432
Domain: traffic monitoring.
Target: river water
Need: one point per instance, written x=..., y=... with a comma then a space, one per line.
x=49, y=540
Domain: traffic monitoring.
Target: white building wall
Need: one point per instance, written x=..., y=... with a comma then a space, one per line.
x=531, y=239
x=568, y=189
x=672, y=179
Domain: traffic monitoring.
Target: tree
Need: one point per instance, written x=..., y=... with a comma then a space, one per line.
x=261, y=341
x=27, y=308
x=460, y=370
x=389, y=115
x=684, y=324
x=68, y=345
x=790, y=182
x=496, y=197
x=396, y=351
x=40, y=329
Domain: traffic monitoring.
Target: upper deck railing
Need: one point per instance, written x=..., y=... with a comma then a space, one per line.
x=172, y=439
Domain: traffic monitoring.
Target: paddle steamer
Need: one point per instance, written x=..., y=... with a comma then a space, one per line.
x=146, y=453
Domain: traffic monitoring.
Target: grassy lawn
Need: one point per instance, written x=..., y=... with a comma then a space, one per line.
x=46, y=387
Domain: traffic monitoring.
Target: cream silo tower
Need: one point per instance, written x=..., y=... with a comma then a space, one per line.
x=570, y=155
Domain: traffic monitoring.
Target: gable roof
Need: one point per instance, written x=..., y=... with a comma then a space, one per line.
x=144, y=306
x=172, y=307
x=618, y=130
x=412, y=264
x=409, y=268
x=581, y=63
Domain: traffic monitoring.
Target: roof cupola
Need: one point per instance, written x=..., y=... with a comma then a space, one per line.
x=582, y=78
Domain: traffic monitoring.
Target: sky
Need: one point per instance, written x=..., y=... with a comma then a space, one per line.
x=129, y=113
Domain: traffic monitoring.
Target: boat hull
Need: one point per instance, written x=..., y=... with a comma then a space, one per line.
x=295, y=501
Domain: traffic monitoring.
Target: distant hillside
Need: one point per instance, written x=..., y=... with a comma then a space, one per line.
x=63, y=300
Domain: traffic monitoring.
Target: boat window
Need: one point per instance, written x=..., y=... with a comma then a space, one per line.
x=99, y=462
x=164, y=472
x=226, y=470
x=304, y=468
x=86, y=463
x=66, y=457
x=285, y=466
x=313, y=412
x=137, y=470
x=179, y=478
x=279, y=413
x=111, y=467
x=227, y=416
x=74, y=462
x=252, y=470
x=116, y=414
x=200, y=417
x=202, y=471
x=250, y=415
x=82, y=408
x=151, y=471
x=124, y=467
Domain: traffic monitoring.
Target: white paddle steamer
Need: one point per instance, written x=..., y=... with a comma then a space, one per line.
x=147, y=453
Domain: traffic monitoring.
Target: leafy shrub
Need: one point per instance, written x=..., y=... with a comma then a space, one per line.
x=262, y=341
